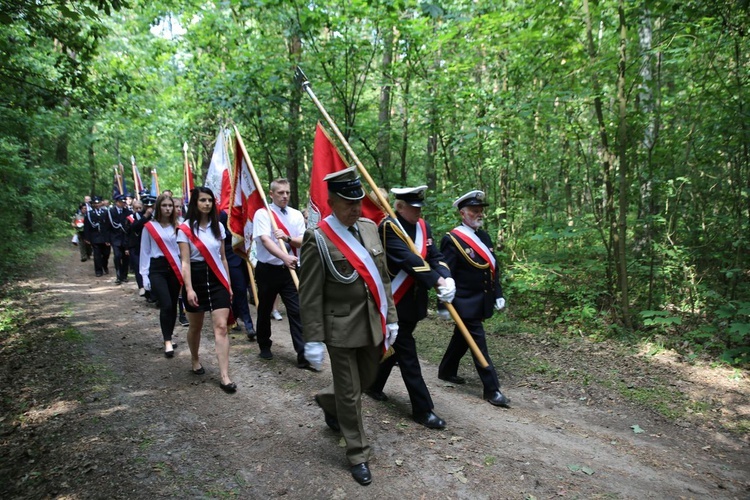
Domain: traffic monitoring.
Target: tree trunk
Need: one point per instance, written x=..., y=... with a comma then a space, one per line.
x=384, y=114
x=92, y=157
x=622, y=149
x=292, y=162
x=608, y=219
x=404, y=129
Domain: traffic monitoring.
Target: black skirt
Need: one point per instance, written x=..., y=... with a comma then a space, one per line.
x=212, y=294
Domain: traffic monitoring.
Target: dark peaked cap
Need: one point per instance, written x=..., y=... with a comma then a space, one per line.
x=413, y=196
x=472, y=198
x=346, y=184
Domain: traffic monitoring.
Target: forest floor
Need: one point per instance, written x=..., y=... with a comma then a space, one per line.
x=92, y=409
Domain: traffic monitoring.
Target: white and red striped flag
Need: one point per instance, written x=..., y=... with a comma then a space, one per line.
x=246, y=200
x=218, y=175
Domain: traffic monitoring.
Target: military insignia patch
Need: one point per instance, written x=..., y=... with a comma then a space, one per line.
x=470, y=252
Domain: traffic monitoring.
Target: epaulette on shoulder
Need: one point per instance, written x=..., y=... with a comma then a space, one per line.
x=363, y=220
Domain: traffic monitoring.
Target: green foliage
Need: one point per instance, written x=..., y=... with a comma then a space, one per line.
x=501, y=100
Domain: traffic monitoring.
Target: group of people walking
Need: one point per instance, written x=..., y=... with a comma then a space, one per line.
x=361, y=290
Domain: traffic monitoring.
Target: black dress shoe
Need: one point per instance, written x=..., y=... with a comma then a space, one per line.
x=331, y=421
x=361, y=473
x=453, y=379
x=377, y=395
x=429, y=420
x=169, y=354
x=266, y=354
x=229, y=388
x=496, y=398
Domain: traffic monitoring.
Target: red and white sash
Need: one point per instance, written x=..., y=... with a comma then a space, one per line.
x=281, y=226
x=216, y=267
x=403, y=281
x=159, y=239
x=359, y=257
x=470, y=238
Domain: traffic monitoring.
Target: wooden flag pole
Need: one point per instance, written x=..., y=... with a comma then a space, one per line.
x=185, y=170
x=263, y=197
x=305, y=83
x=135, y=178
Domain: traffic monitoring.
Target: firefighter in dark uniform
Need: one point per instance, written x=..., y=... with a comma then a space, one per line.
x=136, y=221
x=468, y=252
x=96, y=229
x=412, y=276
x=117, y=217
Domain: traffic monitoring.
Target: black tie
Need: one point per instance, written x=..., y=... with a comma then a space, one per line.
x=355, y=232
x=283, y=211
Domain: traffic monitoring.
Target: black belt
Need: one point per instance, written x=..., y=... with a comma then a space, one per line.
x=275, y=266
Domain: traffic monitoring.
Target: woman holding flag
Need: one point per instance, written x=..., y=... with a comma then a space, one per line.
x=160, y=266
x=206, y=279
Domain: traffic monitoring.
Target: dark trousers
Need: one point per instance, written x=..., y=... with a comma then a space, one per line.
x=83, y=247
x=406, y=355
x=165, y=289
x=353, y=370
x=135, y=265
x=457, y=347
x=272, y=281
x=101, y=257
x=240, y=278
x=121, y=261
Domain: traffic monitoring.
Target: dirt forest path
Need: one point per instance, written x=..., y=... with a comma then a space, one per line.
x=110, y=417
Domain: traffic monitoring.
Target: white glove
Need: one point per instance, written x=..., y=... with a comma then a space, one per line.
x=146, y=283
x=499, y=304
x=448, y=292
x=314, y=353
x=444, y=314
x=391, y=332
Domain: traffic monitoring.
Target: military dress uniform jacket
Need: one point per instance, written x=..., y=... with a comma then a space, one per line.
x=135, y=230
x=96, y=226
x=413, y=305
x=340, y=314
x=118, y=223
x=476, y=287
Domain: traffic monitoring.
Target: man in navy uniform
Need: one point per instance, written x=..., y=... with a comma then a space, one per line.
x=96, y=229
x=468, y=252
x=412, y=275
x=117, y=217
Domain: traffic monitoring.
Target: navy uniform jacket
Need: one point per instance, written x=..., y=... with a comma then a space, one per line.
x=96, y=226
x=135, y=230
x=233, y=259
x=476, y=288
x=118, y=226
x=413, y=305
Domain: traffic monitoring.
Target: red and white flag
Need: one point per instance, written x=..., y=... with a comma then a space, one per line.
x=218, y=176
x=246, y=200
x=327, y=159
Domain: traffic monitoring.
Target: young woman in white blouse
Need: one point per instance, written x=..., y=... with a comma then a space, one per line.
x=206, y=277
x=160, y=266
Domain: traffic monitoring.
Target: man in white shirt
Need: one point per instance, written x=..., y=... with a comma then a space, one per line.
x=275, y=263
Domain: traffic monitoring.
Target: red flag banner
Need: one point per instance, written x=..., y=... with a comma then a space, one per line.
x=246, y=200
x=218, y=176
x=327, y=159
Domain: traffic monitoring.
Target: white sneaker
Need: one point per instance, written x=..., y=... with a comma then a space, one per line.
x=141, y=292
x=276, y=315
